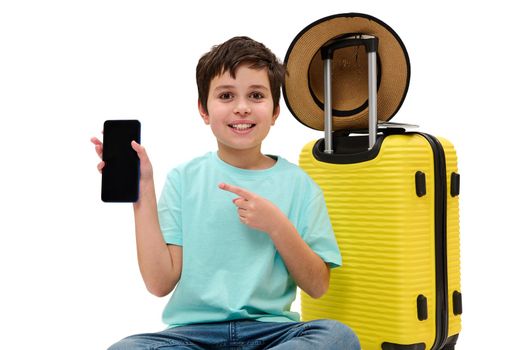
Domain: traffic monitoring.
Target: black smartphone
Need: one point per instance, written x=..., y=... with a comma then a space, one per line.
x=120, y=175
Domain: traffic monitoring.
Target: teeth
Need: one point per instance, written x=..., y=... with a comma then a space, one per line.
x=242, y=126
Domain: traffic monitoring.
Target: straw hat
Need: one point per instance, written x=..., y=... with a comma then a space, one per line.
x=303, y=89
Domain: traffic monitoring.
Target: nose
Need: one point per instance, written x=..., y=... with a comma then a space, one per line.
x=242, y=107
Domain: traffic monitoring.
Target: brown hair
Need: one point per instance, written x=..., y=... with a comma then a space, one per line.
x=228, y=56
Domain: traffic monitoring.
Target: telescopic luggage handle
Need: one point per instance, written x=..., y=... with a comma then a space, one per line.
x=371, y=46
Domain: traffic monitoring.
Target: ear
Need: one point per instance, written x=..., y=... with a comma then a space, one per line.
x=204, y=114
x=275, y=115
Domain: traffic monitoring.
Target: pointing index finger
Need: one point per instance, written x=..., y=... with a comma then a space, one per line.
x=237, y=190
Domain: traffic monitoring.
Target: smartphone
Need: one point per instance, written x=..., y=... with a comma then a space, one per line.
x=120, y=175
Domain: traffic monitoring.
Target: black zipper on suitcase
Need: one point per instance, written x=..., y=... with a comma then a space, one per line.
x=440, y=241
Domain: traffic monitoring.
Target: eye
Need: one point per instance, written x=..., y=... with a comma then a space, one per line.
x=256, y=95
x=226, y=96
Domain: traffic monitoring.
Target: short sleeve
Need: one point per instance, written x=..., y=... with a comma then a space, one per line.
x=169, y=209
x=316, y=230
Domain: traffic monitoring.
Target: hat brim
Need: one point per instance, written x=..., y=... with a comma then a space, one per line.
x=303, y=89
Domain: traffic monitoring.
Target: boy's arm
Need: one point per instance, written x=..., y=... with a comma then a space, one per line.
x=309, y=271
x=160, y=264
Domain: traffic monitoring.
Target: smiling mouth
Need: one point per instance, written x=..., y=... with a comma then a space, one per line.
x=241, y=126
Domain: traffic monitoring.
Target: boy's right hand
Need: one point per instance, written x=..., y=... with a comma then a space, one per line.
x=146, y=166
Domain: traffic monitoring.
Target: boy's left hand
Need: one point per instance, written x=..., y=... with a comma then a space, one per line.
x=255, y=211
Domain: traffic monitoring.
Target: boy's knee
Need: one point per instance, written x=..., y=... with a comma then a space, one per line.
x=341, y=334
x=119, y=346
x=116, y=346
x=127, y=344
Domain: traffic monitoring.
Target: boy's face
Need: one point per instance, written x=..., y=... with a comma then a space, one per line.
x=240, y=111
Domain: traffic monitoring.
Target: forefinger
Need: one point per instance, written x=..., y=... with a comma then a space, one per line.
x=95, y=141
x=98, y=146
x=237, y=190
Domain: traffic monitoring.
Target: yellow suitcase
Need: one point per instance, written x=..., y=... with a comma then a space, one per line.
x=392, y=197
x=396, y=221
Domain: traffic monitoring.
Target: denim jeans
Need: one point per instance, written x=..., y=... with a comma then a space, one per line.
x=246, y=334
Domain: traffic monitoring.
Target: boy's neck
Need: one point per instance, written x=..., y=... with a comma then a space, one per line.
x=251, y=159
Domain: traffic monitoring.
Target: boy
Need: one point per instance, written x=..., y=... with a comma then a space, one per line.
x=252, y=227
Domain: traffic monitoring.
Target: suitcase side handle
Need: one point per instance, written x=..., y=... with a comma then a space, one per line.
x=327, y=51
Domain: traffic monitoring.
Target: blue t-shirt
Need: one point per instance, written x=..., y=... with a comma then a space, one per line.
x=231, y=271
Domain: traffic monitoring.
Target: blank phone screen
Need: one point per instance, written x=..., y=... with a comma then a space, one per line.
x=120, y=175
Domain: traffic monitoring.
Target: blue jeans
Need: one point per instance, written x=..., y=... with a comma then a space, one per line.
x=246, y=334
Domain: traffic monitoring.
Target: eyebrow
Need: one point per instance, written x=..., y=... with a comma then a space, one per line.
x=254, y=86
x=257, y=86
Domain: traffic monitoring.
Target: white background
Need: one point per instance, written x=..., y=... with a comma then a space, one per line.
x=68, y=272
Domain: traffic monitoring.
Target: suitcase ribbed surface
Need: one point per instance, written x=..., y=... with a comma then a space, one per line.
x=386, y=236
